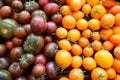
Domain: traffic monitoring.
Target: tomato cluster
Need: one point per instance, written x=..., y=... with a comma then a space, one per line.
x=59, y=40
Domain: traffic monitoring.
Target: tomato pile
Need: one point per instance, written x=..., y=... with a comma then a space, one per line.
x=59, y=40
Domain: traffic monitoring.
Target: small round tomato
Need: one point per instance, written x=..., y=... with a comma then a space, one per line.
x=76, y=74
x=57, y=18
x=5, y=75
x=14, y=68
x=51, y=70
x=17, y=41
x=9, y=45
x=99, y=73
x=5, y=11
x=40, y=59
x=16, y=52
x=63, y=58
x=3, y=49
x=17, y=5
x=4, y=63
x=20, y=32
x=26, y=60
x=21, y=78
x=23, y=17
x=104, y=58
x=38, y=70
x=50, y=49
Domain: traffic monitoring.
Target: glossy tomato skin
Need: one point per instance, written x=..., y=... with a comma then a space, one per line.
x=51, y=70
x=3, y=49
x=17, y=5
x=50, y=49
x=17, y=41
x=57, y=18
x=38, y=25
x=16, y=53
x=39, y=13
x=40, y=59
x=5, y=11
x=9, y=45
x=23, y=17
x=4, y=62
x=49, y=10
x=34, y=43
x=7, y=26
x=5, y=75
x=28, y=5
x=51, y=27
x=42, y=3
x=38, y=70
x=26, y=60
x=14, y=68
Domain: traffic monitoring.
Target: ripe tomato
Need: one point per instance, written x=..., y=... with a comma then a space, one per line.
x=63, y=58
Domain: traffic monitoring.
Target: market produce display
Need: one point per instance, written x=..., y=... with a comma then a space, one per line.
x=59, y=40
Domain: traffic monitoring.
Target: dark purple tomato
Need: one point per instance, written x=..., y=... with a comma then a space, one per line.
x=38, y=70
x=5, y=11
x=50, y=49
x=42, y=3
x=51, y=70
x=1, y=3
x=9, y=45
x=56, y=18
x=21, y=78
x=3, y=49
x=51, y=27
x=40, y=59
x=17, y=5
x=38, y=25
x=4, y=62
x=39, y=13
x=31, y=6
x=16, y=52
x=48, y=38
x=23, y=17
x=27, y=27
x=26, y=60
x=14, y=68
x=5, y=75
x=19, y=32
x=51, y=8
